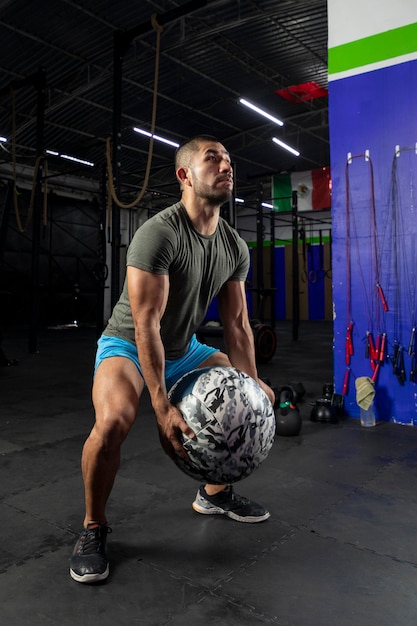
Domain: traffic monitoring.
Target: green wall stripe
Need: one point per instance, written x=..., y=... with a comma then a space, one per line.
x=374, y=49
x=279, y=243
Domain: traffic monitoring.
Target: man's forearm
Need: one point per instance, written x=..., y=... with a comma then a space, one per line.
x=152, y=361
x=241, y=350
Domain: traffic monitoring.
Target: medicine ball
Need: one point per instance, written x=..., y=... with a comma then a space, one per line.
x=233, y=421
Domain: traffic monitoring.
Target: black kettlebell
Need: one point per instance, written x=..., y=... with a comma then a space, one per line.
x=329, y=407
x=288, y=419
x=323, y=412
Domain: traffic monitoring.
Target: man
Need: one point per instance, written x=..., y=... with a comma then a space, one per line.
x=177, y=262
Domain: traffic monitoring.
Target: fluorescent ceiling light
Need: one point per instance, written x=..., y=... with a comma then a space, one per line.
x=261, y=112
x=285, y=146
x=63, y=156
x=68, y=157
x=71, y=158
x=157, y=137
x=264, y=204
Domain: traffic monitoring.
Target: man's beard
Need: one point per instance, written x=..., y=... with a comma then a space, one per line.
x=219, y=198
x=213, y=197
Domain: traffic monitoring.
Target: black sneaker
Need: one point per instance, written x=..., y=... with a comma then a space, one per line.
x=229, y=503
x=88, y=563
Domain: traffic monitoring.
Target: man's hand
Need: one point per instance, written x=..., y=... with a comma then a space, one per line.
x=269, y=392
x=171, y=425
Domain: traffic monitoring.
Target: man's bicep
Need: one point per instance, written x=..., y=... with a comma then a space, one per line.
x=232, y=301
x=148, y=292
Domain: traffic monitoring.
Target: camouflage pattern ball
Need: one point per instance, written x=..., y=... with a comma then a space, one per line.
x=233, y=420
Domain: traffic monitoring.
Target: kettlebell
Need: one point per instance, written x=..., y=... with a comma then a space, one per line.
x=323, y=411
x=288, y=419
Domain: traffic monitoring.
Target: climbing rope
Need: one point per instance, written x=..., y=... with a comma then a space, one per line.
x=16, y=192
x=158, y=29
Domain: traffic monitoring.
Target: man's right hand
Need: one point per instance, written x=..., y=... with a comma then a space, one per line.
x=171, y=427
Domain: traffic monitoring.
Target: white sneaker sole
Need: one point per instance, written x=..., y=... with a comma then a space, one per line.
x=238, y=518
x=90, y=578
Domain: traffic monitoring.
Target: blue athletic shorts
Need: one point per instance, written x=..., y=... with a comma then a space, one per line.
x=196, y=354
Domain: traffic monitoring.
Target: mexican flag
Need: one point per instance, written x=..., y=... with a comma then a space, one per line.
x=313, y=190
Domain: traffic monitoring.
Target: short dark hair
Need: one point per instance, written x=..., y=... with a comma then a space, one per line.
x=184, y=153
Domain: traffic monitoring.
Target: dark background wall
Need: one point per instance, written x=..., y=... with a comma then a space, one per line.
x=70, y=260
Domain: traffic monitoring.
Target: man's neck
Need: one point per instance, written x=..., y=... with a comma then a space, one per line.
x=203, y=216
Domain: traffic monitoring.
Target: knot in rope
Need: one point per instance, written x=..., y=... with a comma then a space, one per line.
x=155, y=24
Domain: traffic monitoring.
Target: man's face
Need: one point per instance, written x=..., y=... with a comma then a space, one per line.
x=211, y=173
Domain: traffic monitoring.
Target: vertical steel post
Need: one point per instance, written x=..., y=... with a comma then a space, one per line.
x=260, y=253
x=295, y=268
x=272, y=267
x=121, y=43
x=101, y=261
x=40, y=84
x=119, y=49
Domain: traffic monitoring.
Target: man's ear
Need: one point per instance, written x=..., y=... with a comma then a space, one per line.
x=182, y=175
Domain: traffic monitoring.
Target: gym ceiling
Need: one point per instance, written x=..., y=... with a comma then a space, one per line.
x=76, y=77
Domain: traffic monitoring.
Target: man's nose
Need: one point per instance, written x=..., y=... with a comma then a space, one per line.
x=225, y=165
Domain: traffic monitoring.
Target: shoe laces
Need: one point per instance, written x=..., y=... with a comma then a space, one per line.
x=92, y=539
x=240, y=500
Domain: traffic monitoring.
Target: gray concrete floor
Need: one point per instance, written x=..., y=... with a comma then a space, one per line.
x=339, y=548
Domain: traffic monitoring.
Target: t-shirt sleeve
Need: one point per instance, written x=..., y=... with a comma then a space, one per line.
x=151, y=248
x=242, y=268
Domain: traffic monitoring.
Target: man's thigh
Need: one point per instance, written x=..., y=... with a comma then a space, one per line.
x=117, y=388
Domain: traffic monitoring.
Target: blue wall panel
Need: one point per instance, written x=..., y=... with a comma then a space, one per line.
x=375, y=111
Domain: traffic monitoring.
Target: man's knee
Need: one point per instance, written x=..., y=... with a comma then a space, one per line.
x=110, y=431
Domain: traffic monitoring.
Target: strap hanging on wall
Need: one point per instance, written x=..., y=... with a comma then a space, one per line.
x=373, y=297
x=403, y=273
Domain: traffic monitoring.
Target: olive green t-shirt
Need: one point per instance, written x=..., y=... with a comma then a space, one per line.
x=197, y=266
